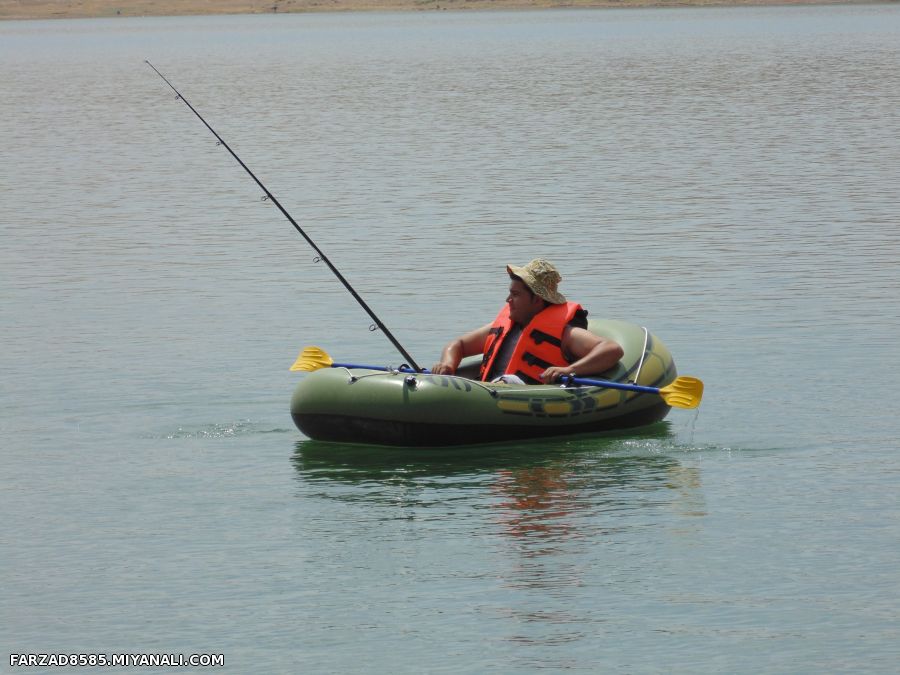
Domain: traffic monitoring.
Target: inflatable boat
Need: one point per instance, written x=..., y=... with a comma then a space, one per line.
x=387, y=406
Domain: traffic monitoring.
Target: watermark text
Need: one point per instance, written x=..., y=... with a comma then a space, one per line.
x=69, y=660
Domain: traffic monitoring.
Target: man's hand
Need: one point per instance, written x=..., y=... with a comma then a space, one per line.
x=466, y=345
x=555, y=372
x=442, y=368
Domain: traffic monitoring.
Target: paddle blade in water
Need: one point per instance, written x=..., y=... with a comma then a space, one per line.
x=312, y=358
x=684, y=392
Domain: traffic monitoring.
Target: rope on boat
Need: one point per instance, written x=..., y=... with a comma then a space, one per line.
x=637, y=373
x=394, y=371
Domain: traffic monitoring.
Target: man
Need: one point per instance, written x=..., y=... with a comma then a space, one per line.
x=537, y=336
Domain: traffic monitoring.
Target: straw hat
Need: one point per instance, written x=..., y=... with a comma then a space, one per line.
x=542, y=278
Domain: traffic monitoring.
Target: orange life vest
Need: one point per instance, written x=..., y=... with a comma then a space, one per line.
x=539, y=346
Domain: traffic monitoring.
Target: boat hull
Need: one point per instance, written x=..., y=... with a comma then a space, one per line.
x=389, y=408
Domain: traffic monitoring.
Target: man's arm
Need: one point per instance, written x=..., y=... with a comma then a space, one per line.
x=593, y=354
x=466, y=345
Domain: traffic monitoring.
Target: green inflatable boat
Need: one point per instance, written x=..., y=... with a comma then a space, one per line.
x=358, y=404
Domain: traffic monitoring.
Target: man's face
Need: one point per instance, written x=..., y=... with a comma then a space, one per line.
x=523, y=304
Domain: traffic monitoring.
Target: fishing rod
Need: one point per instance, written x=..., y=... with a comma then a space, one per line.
x=321, y=255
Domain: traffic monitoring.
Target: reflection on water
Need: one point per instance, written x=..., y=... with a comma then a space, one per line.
x=536, y=501
x=536, y=489
x=542, y=519
x=347, y=462
x=541, y=495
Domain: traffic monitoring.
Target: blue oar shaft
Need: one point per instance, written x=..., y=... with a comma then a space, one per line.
x=613, y=385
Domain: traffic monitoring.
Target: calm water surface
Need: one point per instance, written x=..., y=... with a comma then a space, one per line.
x=727, y=177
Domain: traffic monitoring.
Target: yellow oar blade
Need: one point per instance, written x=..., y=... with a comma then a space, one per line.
x=684, y=392
x=312, y=358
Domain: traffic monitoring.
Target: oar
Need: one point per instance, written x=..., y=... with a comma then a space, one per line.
x=684, y=392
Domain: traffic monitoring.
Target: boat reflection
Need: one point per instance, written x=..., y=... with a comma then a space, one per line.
x=549, y=519
x=539, y=487
x=547, y=505
x=349, y=463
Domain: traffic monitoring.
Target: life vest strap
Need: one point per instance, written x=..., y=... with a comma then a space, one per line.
x=533, y=360
x=493, y=342
x=540, y=336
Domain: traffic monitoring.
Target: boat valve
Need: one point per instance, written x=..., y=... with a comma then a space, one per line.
x=411, y=381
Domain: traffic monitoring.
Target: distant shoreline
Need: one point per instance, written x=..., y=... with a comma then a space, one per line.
x=83, y=9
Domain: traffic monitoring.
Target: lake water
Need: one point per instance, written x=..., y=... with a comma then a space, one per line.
x=727, y=177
